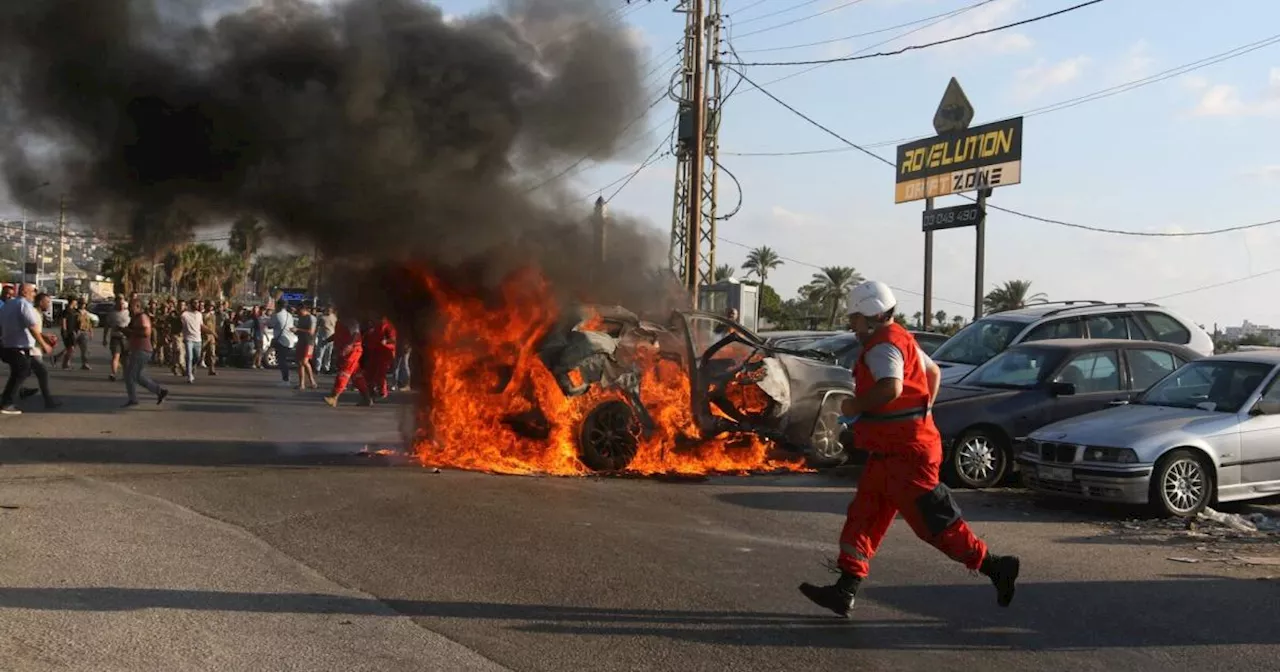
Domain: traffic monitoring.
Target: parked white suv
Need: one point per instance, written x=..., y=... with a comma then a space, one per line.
x=991, y=335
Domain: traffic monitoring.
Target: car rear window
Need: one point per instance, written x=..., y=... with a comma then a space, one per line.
x=1165, y=329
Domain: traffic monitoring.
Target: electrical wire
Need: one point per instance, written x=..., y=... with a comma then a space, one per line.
x=656, y=155
x=1068, y=103
x=895, y=38
x=738, y=185
x=855, y=36
x=926, y=45
x=1214, y=285
x=848, y=3
x=1011, y=211
x=784, y=10
x=967, y=304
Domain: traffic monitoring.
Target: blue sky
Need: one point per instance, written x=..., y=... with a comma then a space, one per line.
x=1190, y=153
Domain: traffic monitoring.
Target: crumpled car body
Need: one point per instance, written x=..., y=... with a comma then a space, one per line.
x=739, y=384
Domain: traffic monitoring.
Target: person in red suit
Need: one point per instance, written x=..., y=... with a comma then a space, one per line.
x=379, y=355
x=896, y=384
x=348, y=343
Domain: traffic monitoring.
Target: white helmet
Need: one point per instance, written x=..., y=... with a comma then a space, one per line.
x=870, y=299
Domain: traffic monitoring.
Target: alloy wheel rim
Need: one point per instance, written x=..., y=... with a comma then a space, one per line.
x=826, y=438
x=1184, y=485
x=977, y=459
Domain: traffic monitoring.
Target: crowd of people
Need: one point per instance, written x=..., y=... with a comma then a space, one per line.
x=188, y=336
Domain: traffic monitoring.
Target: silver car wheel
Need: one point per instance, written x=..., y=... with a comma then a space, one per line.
x=977, y=459
x=1184, y=486
x=826, y=436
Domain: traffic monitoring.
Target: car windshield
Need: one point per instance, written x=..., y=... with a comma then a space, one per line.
x=979, y=342
x=1020, y=368
x=834, y=344
x=1213, y=385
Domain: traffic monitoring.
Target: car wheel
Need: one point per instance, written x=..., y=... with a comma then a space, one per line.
x=1182, y=484
x=825, y=447
x=609, y=437
x=979, y=459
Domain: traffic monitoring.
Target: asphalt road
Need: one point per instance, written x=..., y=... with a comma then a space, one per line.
x=235, y=527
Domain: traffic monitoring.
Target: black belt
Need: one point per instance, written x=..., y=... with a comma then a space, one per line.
x=896, y=416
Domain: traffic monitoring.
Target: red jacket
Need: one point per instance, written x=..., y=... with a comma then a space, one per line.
x=902, y=423
x=344, y=338
x=380, y=338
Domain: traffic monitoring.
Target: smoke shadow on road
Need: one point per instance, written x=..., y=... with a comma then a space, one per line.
x=200, y=453
x=1000, y=506
x=1068, y=616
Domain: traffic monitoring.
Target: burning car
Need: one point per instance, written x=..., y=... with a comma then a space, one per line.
x=738, y=385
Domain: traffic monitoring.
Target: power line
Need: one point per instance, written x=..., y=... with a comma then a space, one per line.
x=967, y=304
x=754, y=4
x=927, y=45
x=869, y=47
x=866, y=34
x=1215, y=285
x=784, y=10
x=656, y=155
x=792, y=22
x=1066, y=103
x=1011, y=211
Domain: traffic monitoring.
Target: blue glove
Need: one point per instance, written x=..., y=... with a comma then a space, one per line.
x=847, y=420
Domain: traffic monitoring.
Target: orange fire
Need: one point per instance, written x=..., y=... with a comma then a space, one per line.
x=484, y=378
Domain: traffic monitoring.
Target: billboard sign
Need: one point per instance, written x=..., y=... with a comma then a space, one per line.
x=982, y=157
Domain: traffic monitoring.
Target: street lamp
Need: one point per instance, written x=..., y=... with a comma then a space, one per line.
x=24, y=227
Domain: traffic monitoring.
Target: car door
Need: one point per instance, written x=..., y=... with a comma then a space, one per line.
x=1096, y=375
x=1260, y=439
x=716, y=348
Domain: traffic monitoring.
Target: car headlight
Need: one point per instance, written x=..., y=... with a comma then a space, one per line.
x=1113, y=455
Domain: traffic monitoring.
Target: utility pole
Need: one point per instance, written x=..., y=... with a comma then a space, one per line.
x=693, y=211
x=62, y=240
x=599, y=230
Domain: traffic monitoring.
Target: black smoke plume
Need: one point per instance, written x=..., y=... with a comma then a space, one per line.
x=378, y=130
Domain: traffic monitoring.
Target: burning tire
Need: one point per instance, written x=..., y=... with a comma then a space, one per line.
x=609, y=437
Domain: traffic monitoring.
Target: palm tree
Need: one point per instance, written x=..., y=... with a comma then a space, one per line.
x=723, y=272
x=204, y=265
x=247, y=237
x=830, y=286
x=940, y=318
x=915, y=319
x=127, y=268
x=760, y=261
x=958, y=320
x=286, y=270
x=1012, y=295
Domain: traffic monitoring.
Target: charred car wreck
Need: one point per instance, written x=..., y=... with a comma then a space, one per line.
x=738, y=383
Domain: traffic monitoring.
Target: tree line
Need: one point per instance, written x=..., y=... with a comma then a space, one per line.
x=819, y=303
x=168, y=259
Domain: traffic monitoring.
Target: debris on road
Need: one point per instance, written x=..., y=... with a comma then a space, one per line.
x=1253, y=522
x=1191, y=561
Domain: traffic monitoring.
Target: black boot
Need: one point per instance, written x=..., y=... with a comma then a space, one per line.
x=838, y=597
x=1003, y=572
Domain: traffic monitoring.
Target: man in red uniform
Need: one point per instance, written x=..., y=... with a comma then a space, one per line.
x=379, y=355
x=896, y=384
x=348, y=343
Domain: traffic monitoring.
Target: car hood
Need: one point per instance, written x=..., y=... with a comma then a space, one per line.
x=950, y=394
x=1137, y=426
x=952, y=372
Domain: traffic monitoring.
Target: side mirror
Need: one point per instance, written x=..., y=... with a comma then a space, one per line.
x=1265, y=407
x=1062, y=389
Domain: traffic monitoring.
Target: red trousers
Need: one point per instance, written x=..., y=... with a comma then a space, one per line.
x=906, y=482
x=377, y=367
x=349, y=372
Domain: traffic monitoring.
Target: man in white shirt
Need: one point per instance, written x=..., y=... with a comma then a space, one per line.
x=284, y=339
x=20, y=333
x=192, y=321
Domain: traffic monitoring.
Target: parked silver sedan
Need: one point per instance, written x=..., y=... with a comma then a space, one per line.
x=1209, y=431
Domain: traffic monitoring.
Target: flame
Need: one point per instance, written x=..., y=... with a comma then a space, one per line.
x=490, y=404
